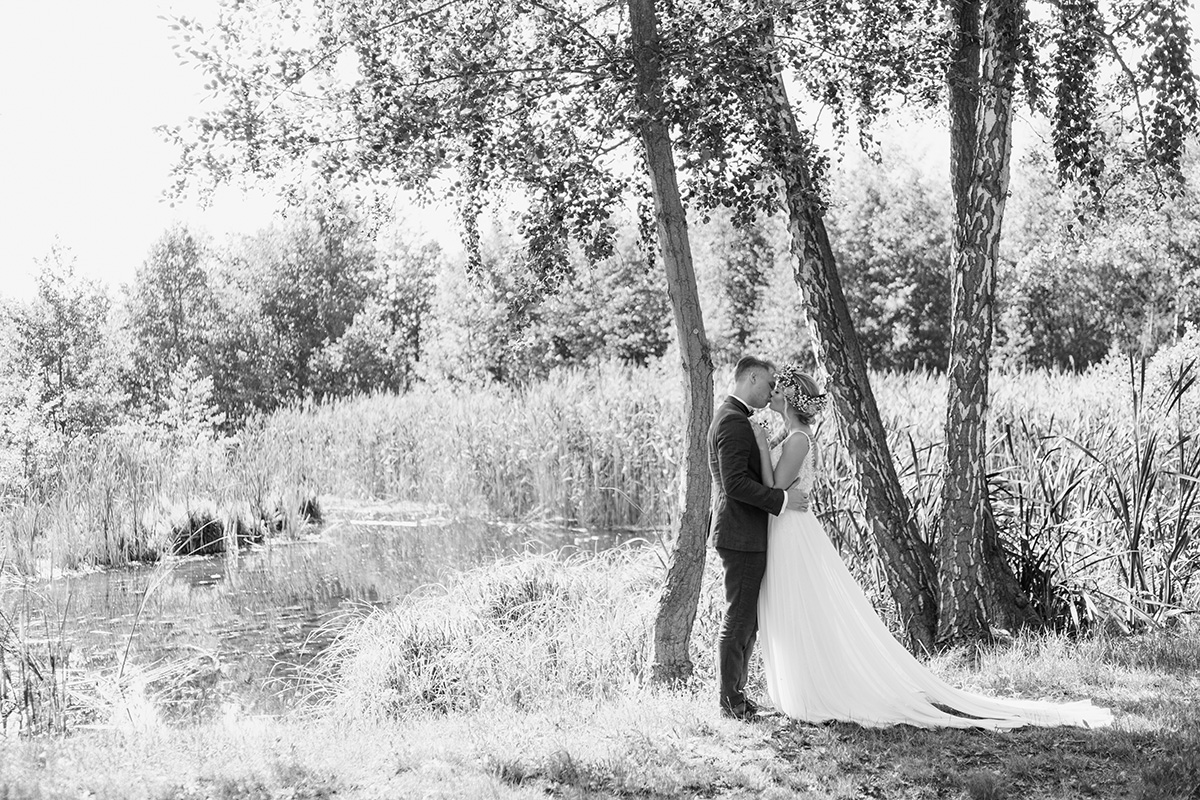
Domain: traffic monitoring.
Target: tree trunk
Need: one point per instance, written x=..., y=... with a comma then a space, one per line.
x=681, y=591
x=907, y=559
x=978, y=591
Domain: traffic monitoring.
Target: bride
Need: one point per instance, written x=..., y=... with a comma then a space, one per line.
x=827, y=654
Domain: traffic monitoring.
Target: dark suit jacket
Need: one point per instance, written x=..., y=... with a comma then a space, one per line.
x=741, y=504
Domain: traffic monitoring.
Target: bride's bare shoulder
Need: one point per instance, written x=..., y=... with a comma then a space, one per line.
x=797, y=441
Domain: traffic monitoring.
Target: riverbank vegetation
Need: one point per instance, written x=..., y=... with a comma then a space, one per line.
x=1092, y=474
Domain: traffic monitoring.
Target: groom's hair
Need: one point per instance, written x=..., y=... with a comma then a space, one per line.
x=747, y=363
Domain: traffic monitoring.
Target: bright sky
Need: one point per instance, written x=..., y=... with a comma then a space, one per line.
x=82, y=85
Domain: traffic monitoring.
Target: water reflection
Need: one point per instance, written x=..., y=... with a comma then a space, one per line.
x=241, y=627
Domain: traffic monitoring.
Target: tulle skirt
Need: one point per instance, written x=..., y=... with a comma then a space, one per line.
x=828, y=656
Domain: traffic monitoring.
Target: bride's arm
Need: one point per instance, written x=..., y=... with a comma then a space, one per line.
x=795, y=448
x=764, y=453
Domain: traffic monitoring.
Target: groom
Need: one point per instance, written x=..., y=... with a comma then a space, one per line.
x=741, y=506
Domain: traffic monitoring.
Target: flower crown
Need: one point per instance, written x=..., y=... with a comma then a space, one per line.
x=788, y=380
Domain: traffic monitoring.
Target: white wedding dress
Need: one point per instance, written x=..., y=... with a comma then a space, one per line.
x=828, y=656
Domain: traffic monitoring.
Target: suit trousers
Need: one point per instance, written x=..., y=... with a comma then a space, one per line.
x=743, y=577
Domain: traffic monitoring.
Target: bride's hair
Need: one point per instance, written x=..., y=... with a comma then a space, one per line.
x=802, y=393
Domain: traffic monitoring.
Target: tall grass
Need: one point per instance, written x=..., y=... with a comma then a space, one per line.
x=44, y=690
x=1152, y=495
x=601, y=448
x=1093, y=479
x=34, y=660
x=1093, y=476
x=135, y=494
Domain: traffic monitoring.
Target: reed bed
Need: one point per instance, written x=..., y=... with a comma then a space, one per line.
x=1093, y=480
x=35, y=673
x=135, y=495
x=599, y=448
x=1093, y=476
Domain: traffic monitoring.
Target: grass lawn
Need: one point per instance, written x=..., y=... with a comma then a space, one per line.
x=646, y=743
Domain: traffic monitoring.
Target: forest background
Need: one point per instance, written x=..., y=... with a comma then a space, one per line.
x=335, y=300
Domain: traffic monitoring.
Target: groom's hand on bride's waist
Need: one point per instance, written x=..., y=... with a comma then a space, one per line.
x=797, y=500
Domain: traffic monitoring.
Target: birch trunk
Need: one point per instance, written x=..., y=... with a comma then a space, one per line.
x=978, y=591
x=681, y=591
x=911, y=576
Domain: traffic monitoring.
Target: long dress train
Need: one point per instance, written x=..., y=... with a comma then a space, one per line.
x=828, y=656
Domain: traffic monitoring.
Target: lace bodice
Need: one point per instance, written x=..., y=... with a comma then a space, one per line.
x=808, y=469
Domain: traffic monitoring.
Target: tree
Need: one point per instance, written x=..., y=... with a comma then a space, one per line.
x=1085, y=282
x=890, y=237
x=990, y=43
x=616, y=309
x=171, y=310
x=285, y=294
x=677, y=603
x=311, y=279
x=484, y=320
x=24, y=441
x=739, y=130
x=781, y=325
x=64, y=342
x=532, y=96
x=978, y=590
x=383, y=346
x=1058, y=310
x=745, y=256
x=835, y=341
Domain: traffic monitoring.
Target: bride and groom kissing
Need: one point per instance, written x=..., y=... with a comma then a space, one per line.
x=826, y=653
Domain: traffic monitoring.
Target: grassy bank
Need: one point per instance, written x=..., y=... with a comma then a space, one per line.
x=524, y=679
x=650, y=745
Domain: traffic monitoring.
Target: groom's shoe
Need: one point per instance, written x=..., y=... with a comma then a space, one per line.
x=745, y=711
x=761, y=713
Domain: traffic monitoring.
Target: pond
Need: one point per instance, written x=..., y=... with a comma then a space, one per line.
x=203, y=637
